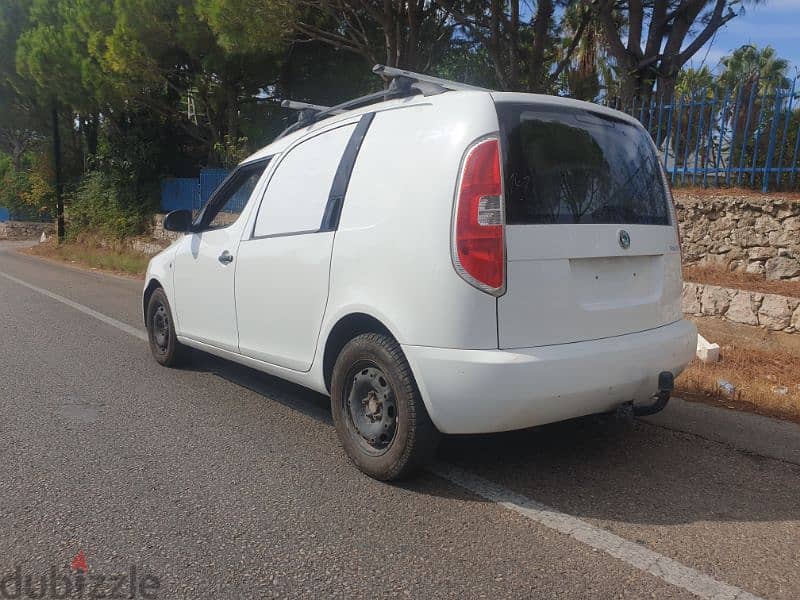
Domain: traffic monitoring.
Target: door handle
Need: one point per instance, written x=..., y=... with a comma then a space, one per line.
x=225, y=258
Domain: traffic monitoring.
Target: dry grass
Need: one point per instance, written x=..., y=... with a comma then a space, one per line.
x=755, y=375
x=116, y=260
x=718, y=275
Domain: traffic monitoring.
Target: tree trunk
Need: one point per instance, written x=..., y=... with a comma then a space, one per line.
x=90, y=132
x=57, y=169
x=541, y=30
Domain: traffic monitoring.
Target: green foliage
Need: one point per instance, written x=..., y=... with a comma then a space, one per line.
x=692, y=81
x=248, y=26
x=232, y=151
x=749, y=65
x=26, y=191
x=100, y=206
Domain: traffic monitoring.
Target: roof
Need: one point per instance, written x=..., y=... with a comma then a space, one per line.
x=282, y=143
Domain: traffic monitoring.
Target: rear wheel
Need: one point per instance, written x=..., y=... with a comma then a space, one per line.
x=161, y=334
x=378, y=411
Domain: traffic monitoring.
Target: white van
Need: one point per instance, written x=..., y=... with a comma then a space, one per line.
x=438, y=259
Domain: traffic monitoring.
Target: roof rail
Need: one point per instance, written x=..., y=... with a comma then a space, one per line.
x=402, y=84
x=306, y=111
x=393, y=73
x=295, y=105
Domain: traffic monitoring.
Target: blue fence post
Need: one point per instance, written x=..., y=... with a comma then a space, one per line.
x=677, y=141
x=744, y=134
x=701, y=121
x=721, y=131
x=773, y=136
x=756, y=139
x=650, y=110
x=670, y=109
x=687, y=142
x=660, y=113
x=734, y=128
x=785, y=133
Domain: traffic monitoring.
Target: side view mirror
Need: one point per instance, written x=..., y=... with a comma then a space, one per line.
x=178, y=220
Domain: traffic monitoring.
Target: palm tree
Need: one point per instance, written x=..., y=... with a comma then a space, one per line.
x=758, y=73
x=692, y=81
x=750, y=65
x=581, y=76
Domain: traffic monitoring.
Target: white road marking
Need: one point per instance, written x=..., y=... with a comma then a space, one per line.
x=628, y=552
x=137, y=333
x=632, y=554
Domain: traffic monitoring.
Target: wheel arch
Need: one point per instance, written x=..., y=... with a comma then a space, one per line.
x=151, y=287
x=345, y=329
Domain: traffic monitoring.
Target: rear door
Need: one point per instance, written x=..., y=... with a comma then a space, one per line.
x=591, y=247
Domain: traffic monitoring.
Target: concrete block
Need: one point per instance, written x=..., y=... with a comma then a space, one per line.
x=706, y=351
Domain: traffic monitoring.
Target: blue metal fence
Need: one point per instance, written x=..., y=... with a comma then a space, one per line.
x=190, y=193
x=735, y=137
x=180, y=193
x=5, y=214
x=209, y=181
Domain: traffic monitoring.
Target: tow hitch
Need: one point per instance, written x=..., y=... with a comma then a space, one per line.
x=666, y=383
x=626, y=412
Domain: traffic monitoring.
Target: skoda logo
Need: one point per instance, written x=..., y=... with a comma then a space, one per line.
x=624, y=239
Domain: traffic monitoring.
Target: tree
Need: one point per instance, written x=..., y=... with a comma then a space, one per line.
x=583, y=75
x=413, y=34
x=691, y=81
x=524, y=52
x=659, y=38
x=749, y=65
x=20, y=128
x=189, y=50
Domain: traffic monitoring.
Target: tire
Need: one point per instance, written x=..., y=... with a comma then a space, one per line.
x=164, y=344
x=379, y=415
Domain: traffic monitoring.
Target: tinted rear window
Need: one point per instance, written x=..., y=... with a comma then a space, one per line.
x=576, y=166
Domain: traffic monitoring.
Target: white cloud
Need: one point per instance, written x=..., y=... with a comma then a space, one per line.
x=777, y=5
x=710, y=60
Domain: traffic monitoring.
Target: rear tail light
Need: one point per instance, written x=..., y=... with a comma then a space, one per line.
x=478, y=238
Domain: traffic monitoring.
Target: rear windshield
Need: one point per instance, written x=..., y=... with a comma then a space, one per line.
x=575, y=166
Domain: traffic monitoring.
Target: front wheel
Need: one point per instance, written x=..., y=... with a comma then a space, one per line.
x=379, y=415
x=164, y=344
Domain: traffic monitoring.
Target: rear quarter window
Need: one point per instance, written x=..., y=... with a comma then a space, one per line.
x=577, y=166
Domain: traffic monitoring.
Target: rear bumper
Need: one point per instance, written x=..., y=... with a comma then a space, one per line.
x=481, y=391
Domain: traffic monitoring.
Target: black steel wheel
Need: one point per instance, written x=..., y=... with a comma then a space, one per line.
x=161, y=334
x=371, y=408
x=379, y=415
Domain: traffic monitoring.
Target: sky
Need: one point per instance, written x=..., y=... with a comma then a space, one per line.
x=774, y=22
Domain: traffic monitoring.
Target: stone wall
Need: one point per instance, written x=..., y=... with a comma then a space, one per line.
x=742, y=231
x=777, y=313
x=25, y=230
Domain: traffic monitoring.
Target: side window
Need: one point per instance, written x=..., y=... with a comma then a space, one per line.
x=297, y=193
x=226, y=206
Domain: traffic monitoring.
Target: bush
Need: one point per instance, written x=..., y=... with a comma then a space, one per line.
x=100, y=207
x=26, y=192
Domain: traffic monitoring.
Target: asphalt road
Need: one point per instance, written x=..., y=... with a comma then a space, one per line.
x=220, y=482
